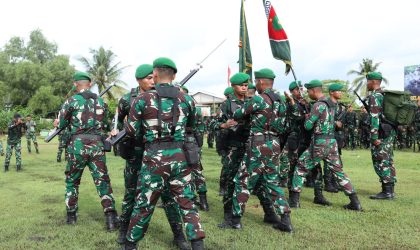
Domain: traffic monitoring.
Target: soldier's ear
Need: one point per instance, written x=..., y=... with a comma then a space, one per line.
x=173, y=77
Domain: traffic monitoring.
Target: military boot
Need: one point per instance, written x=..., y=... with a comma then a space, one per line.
x=392, y=188
x=294, y=199
x=179, y=238
x=227, y=216
x=197, y=244
x=18, y=167
x=123, y=232
x=386, y=193
x=354, y=203
x=71, y=218
x=285, y=224
x=269, y=215
x=319, y=198
x=203, y=201
x=128, y=245
x=330, y=183
x=111, y=221
x=6, y=168
x=36, y=147
x=236, y=222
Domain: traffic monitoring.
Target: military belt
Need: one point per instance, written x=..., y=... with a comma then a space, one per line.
x=163, y=145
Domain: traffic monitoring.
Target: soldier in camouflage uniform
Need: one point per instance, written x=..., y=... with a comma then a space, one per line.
x=364, y=125
x=323, y=147
x=86, y=114
x=1, y=148
x=382, y=136
x=161, y=116
x=417, y=125
x=14, y=135
x=261, y=161
x=31, y=134
x=63, y=139
x=350, y=122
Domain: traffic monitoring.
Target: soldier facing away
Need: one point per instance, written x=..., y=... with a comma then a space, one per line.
x=31, y=133
x=86, y=114
x=14, y=135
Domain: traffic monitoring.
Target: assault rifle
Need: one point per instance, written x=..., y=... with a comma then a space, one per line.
x=56, y=131
x=362, y=101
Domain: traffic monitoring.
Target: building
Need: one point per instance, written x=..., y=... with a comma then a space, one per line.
x=207, y=102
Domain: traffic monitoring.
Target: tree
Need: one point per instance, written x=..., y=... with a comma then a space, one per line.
x=360, y=82
x=103, y=70
x=44, y=101
x=39, y=49
x=15, y=49
x=346, y=97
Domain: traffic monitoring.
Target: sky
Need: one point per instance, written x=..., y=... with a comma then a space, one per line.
x=327, y=37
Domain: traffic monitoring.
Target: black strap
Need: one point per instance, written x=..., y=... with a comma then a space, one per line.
x=159, y=116
x=172, y=93
x=274, y=98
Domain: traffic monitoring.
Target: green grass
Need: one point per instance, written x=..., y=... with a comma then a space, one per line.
x=32, y=210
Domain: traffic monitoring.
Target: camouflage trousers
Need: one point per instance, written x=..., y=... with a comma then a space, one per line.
x=31, y=137
x=62, y=145
x=198, y=179
x=326, y=150
x=87, y=152
x=233, y=162
x=383, y=159
x=351, y=136
x=260, y=164
x=164, y=169
x=1, y=148
x=223, y=171
x=9, y=152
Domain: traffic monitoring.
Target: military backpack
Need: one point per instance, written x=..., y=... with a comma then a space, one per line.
x=398, y=109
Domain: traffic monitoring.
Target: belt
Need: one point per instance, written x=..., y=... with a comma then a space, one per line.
x=262, y=138
x=162, y=145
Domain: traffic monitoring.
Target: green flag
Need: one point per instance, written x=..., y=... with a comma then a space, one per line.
x=278, y=39
x=245, y=58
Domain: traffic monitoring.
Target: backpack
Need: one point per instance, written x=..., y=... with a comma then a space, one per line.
x=398, y=109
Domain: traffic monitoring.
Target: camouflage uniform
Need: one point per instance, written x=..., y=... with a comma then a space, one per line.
x=364, y=125
x=261, y=160
x=162, y=122
x=63, y=139
x=323, y=147
x=382, y=155
x=14, y=142
x=1, y=148
x=31, y=135
x=221, y=148
x=199, y=182
x=210, y=134
x=350, y=122
x=86, y=114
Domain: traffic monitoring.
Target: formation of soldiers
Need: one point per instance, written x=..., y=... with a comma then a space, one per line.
x=267, y=142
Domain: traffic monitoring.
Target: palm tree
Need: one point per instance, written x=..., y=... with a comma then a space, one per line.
x=360, y=82
x=103, y=71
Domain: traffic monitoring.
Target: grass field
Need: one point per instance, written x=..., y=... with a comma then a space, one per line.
x=32, y=210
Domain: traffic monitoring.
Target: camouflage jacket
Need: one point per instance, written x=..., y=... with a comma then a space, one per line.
x=124, y=105
x=30, y=127
x=200, y=124
x=79, y=112
x=14, y=132
x=321, y=119
x=375, y=104
x=350, y=119
x=265, y=115
x=296, y=116
x=144, y=112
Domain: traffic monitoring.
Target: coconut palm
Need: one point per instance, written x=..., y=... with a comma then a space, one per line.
x=104, y=72
x=360, y=82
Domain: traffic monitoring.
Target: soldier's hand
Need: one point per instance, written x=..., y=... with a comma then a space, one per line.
x=56, y=121
x=114, y=132
x=289, y=98
x=229, y=123
x=339, y=124
x=376, y=142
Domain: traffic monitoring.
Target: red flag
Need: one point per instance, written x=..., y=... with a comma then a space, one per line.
x=228, y=79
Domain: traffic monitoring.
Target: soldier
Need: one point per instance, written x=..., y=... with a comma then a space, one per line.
x=161, y=116
x=261, y=160
x=196, y=137
x=1, y=148
x=382, y=136
x=350, y=122
x=364, y=127
x=323, y=147
x=85, y=113
x=31, y=133
x=417, y=125
x=14, y=135
x=63, y=139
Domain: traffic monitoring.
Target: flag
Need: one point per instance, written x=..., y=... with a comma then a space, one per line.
x=278, y=39
x=245, y=58
x=228, y=78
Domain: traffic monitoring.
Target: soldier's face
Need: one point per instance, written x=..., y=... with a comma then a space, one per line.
x=147, y=83
x=296, y=93
x=240, y=90
x=311, y=94
x=337, y=94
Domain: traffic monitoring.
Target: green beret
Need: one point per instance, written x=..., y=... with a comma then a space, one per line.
x=313, y=84
x=239, y=78
x=251, y=86
x=374, y=76
x=164, y=62
x=265, y=73
x=335, y=87
x=294, y=84
x=81, y=76
x=185, y=89
x=228, y=91
x=143, y=70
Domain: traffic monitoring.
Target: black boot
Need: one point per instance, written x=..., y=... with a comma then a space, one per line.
x=285, y=224
x=71, y=218
x=203, y=202
x=319, y=198
x=236, y=222
x=36, y=148
x=128, y=245
x=294, y=199
x=18, y=168
x=330, y=183
x=392, y=189
x=269, y=215
x=6, y=168
x=386, y=193
x=197, y=244
x=222, y=190
x=227, y=216
x=179, y=238
x=123, y=232
x=111, y=221
x=354, y=203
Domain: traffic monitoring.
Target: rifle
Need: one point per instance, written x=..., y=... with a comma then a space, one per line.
x=362, y=101
x=57, y=131
x=115, y=139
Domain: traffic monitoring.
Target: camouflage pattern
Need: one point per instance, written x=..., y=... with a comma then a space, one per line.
x=198, y=179
x=364, y=125
x=382, y=155
x=164, y=166
x=1, y=148
x=350, y=123
x=63, y=140
x=222, y=150
x=323, y=148
x=261, y=160
x=14, y=142
x=86, y=147
x=31, y=135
